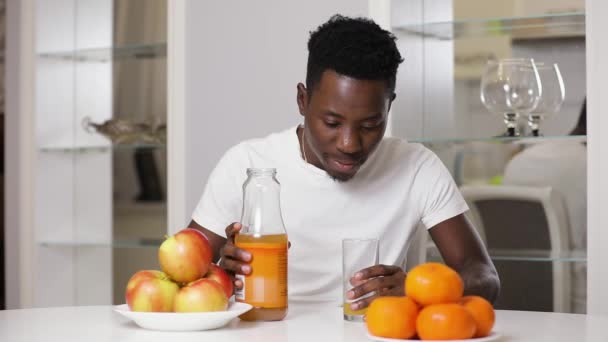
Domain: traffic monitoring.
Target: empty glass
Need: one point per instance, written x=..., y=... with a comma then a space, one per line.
x=357, y=254
x=552, y=97
x=510, y=87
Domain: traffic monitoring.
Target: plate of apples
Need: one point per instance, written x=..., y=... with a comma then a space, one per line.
x=189, y=294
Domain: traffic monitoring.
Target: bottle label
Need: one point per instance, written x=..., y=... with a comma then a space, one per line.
x=239, y=294
x=266, y=286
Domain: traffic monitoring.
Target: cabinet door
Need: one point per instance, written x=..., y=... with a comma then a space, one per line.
x=101, y=131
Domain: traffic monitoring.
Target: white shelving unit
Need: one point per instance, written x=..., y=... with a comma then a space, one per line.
x=64, y=247
x=73, y=192
x=428, y=108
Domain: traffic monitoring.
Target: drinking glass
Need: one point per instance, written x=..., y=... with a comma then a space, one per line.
x=552, y=98
x=510, y=87
x=357, y=254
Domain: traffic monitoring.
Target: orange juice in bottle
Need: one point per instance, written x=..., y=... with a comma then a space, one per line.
x=264, y=236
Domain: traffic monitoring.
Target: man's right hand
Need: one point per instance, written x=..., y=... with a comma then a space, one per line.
x=234, y=260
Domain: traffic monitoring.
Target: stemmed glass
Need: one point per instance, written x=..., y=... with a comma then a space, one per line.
x=552, y=97
x=510, y=87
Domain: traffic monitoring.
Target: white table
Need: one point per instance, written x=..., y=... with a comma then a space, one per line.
x=303, y=323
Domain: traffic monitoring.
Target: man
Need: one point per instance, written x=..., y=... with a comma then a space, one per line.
x=340, y=178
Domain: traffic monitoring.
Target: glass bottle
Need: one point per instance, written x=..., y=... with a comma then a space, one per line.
x=263, y=235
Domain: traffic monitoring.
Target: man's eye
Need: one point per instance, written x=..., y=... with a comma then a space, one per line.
x=332, y=124
x=371, y=127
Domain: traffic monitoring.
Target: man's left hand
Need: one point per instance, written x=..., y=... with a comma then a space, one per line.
x=381, y=280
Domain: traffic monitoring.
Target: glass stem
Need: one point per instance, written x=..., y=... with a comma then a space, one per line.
x=534, y=123
x=511, y=122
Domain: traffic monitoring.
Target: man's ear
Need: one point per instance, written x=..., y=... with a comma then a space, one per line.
x=302, y=98
x=390, y=101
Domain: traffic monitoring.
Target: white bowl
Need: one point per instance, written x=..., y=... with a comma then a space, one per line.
x=178, y=321
x=493, y=336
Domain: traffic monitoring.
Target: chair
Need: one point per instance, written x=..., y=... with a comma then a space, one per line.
x=517, y=223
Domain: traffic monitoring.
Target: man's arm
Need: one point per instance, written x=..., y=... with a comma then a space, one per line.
x=216, y=241
x=463, y=250
x=234, y=260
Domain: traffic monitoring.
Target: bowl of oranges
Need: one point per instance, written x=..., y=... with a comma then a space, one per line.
x=434, y=308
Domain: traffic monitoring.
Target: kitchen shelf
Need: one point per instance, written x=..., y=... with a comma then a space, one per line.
x=97, y=149
x=525, y=255
x=558, y=25
x=498, y=140
x=105, y=54
x=131, y=243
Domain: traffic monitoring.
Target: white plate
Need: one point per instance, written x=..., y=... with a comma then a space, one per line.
x=179, y=321
x=493, y=336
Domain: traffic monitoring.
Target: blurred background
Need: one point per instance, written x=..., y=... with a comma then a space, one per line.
x=123, y=107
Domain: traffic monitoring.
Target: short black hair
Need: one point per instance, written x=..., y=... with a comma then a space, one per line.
x=353, y=47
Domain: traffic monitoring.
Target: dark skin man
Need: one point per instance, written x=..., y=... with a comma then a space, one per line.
x=345, y=120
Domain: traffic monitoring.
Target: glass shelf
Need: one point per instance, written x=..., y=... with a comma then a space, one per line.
x=525, y=255
x=132, y=243
x=97, y=149
x=559, y=25
x=513, y=140
x=106, y=54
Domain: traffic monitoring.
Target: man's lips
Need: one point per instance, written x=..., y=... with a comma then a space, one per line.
x=345, y=166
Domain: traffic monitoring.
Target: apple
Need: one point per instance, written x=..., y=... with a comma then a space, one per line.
x=185, y=256
x=218, y=274
x=151, y=291
x=202, y=295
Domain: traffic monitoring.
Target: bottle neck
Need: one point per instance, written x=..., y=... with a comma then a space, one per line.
x=253, y=172
x=261, y=203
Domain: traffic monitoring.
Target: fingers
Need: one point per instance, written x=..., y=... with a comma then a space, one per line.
x=232, y=230
x=233, y=259
x=230, y=251
x=368, y=287
x=376, y=271
x=235, y=267
x=363, y=303
x=392, y=285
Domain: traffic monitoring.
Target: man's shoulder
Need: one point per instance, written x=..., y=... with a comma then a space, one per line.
x=269, y=145
x=272, y=140
x=402, y=151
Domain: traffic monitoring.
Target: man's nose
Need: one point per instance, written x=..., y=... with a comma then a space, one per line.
x=349, y=141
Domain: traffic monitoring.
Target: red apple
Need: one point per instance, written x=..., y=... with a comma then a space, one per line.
x=151, y=291
x=218, y=274
x=202, y=295
x=185, y=256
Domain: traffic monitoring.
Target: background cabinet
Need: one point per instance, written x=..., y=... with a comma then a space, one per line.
x=100, y=206
x=447, y=45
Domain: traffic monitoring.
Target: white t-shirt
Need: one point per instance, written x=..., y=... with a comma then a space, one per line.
x=561, y=165
x=400, y=185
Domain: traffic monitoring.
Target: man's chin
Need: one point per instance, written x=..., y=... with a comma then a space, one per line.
x=340, y=176
x=340, y=172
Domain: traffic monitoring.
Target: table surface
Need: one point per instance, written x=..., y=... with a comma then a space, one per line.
x=305, y=322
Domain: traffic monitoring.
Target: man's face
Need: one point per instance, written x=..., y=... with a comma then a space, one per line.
x=344, y=120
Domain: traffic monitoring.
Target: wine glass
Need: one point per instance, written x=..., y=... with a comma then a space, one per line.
x=552, y=98
x=510, y=87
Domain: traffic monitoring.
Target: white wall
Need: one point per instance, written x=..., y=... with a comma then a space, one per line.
x=243, y=61
x=597, y=167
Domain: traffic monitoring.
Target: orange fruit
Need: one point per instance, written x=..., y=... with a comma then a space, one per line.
x=434, y=283
x=392, y=317
x=482, y=312
x=445, y=322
